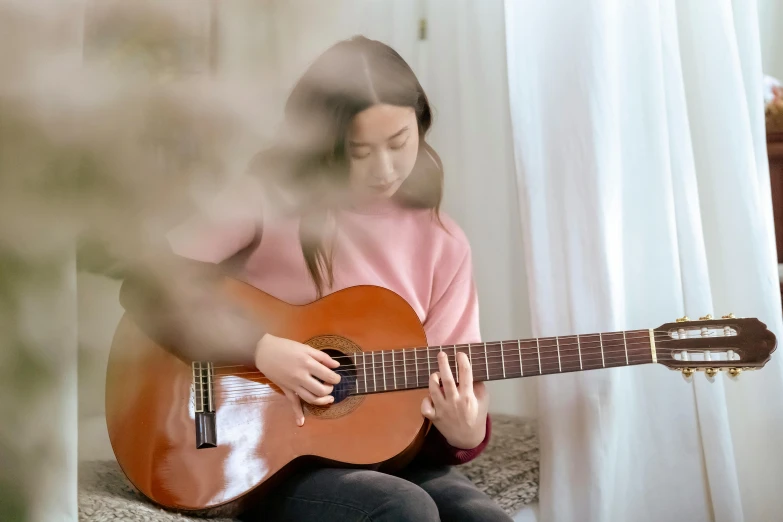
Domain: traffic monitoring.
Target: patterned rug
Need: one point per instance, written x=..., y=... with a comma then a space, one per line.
x=507, y=471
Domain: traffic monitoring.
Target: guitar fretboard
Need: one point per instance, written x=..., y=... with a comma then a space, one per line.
x=401, y=369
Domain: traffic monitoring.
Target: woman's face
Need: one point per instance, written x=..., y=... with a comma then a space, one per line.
x=383, y=144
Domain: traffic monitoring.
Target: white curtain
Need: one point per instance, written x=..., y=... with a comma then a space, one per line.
x=644, y=189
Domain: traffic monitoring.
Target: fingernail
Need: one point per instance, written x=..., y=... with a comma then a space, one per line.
x=300, y=421
x=331, y=400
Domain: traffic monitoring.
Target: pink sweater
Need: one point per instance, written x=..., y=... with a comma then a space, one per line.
x=404, y=250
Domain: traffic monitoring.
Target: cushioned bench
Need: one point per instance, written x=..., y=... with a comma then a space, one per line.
x=507, y=471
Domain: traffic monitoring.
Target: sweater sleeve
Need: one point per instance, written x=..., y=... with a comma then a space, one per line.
x=175, y=296
x=454, y=319
x=437, y=450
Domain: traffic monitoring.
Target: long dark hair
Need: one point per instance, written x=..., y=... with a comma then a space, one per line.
x=310, y=161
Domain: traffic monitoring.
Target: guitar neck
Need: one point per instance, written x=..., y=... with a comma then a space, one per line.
x=410, y=368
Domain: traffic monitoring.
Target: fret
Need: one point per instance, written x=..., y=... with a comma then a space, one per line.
x=486, y=361
x=394, y=371
x=383, y=370
x=502, y=360
x=625, y=344
x=416, y=364
x=538, y=349
x=364, y=369
x=470, y=357
x=589, y=353
x=456, y=366
x=579, y=346
x=557, y=343
x=529, y=357
x=601, y=344
x=404, y=369
x=519, y=348
x=374, y=379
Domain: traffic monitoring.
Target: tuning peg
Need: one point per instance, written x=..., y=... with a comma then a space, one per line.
x=730, y=316
x=707, y=317
x=735, y=372
x=684, y=319
x=687, y=374
x=711, y=373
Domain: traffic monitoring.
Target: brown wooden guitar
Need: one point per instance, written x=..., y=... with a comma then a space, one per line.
x=195, y=437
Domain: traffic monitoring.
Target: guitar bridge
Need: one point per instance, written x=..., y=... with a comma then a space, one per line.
x=204, y=407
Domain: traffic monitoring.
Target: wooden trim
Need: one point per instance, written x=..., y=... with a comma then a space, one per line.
x=775, y=146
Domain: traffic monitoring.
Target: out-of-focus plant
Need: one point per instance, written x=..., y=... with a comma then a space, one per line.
x=109, y=123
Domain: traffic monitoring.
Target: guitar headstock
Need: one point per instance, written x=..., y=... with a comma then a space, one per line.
x=712, y=345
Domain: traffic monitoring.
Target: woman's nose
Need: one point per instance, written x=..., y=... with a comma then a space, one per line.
x=385, y=166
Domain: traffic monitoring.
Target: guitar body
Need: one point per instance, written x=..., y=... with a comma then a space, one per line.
x=151, y=420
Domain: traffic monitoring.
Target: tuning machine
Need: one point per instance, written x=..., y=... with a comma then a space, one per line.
x=707, y=317
x=734, y=373
x=729, y=316
x=711, y=373
x=687, y=373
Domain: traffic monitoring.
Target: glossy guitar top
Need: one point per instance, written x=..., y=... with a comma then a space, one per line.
x=150, y=405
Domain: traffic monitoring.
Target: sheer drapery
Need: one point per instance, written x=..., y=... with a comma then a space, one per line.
x=642, y=176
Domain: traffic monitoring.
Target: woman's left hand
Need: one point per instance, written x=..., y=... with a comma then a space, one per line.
x=459, y=412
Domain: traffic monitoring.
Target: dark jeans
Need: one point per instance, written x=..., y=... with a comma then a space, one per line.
x=344, y=495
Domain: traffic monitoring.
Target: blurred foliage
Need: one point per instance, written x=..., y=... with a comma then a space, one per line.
x=108, y=120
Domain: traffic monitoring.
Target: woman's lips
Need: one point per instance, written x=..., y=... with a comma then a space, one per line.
x=381, y=188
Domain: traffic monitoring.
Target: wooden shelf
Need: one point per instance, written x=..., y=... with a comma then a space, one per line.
x=775, y=156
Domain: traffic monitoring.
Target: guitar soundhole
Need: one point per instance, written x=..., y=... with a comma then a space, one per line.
x=347, y=372
x=341, y=349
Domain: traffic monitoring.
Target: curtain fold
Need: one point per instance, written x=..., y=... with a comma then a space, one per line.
x=640, y=159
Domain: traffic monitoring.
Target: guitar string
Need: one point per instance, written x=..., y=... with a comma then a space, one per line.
x=508, y=349
x=639, y=334
x=512, y=356
x=493, y=356
x=265, y=392
x=495, y=368
x=612, y=358
x=511, y=348
x=564, y=342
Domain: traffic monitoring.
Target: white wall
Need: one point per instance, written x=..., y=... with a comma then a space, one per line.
x=771, y=27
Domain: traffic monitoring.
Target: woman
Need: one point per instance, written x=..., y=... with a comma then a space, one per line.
x=362, y=190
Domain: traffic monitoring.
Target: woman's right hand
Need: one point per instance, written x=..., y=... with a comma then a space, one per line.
x=296, y=368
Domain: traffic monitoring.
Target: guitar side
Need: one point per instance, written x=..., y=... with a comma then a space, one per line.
x=150, y=406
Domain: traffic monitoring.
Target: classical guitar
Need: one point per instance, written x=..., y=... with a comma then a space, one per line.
x=196, y=437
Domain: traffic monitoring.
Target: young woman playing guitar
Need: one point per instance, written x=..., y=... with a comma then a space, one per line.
x=348, y=196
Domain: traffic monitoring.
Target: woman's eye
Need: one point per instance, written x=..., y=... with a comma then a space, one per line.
x=399, y=144
x=360, y=153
